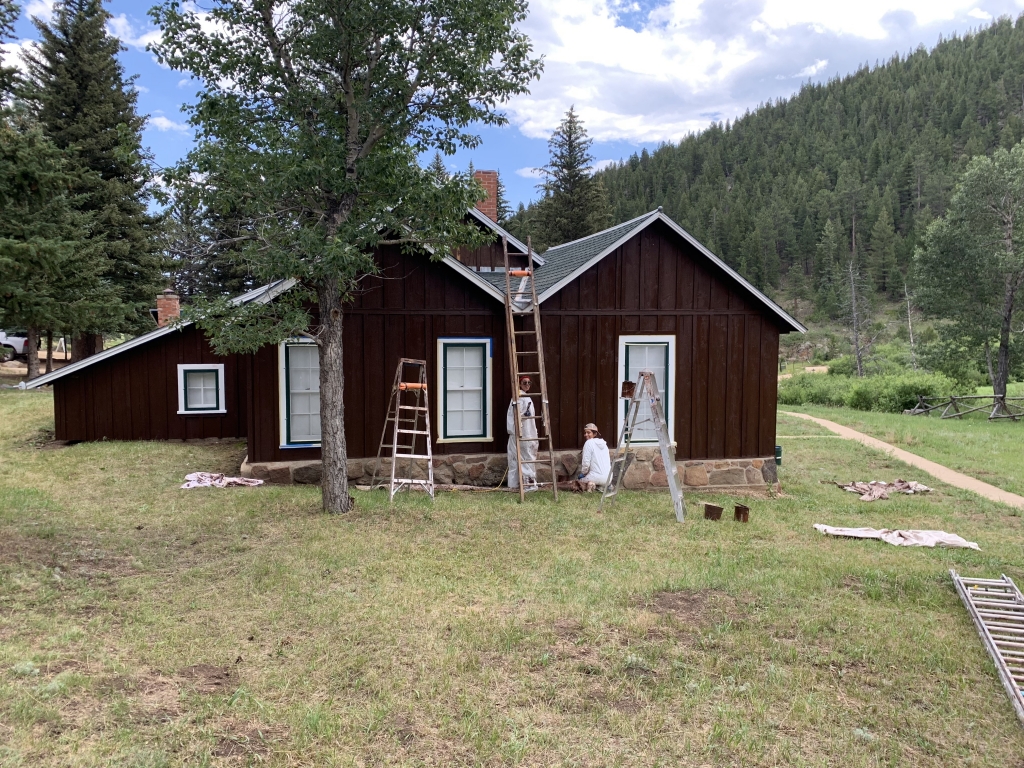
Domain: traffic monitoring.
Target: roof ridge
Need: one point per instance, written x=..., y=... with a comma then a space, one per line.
x=603, y=231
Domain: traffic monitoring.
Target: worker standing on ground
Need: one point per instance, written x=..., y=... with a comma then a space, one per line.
x=596, y=466
x=528, y=432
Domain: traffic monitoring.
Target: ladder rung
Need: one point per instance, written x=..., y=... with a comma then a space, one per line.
x=414, y=408
x=411, y=456
x=528, y=373
x=527, y=353
x=525, y=333
x=413, y=432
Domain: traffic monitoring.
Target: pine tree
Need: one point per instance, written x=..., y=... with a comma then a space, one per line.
x=575, y=204
x=437, y=168
x=86, y=105
x=49, y=280
x=882, y=255
x=8, y=15
x=828, y=274
x=504, y=209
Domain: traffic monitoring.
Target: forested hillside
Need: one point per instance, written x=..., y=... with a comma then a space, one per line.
x=861, y=163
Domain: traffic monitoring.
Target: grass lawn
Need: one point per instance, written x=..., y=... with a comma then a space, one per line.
x=992, y=451
x=143, y=625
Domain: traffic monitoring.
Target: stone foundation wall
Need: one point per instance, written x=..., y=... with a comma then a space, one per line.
x=646, y=471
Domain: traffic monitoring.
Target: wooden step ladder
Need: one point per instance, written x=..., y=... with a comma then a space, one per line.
x=521, y=305
x=645, y=390
x=408, y=419
x=997, y=608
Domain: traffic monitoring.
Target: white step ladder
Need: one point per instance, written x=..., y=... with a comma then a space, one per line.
x=997, y=607
x=645, y=390
x=409, y=418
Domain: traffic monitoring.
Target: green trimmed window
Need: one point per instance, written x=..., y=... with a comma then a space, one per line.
x=200, y=389
x=465, y=389
x=302, y=393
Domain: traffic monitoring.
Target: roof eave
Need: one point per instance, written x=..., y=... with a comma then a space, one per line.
x=486, y=220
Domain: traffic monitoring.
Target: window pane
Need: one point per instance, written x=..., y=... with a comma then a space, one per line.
x=201, y=391
x=464, y=390
x=303, y=394
x=654, y=358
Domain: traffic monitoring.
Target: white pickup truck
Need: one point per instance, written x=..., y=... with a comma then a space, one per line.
x=13, y=344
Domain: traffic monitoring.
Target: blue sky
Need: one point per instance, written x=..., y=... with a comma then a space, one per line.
x=640, y=72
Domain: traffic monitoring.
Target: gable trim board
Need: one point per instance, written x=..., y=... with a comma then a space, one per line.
x=502, y=232
x=262, y=295
x=639, y=224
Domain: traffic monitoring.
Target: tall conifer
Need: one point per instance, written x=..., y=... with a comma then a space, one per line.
x=575, y=204
x=87, y=106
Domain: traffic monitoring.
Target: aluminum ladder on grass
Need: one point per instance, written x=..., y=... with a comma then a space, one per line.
x=521, y=304
x=997, y=607
x=408, y=419
x=644, y=390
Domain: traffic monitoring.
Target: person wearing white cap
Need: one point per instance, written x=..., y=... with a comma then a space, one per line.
x=528, y=433
x=596, y=466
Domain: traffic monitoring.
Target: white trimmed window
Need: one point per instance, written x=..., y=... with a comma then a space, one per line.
x=200, y=389
x=658, y=355
x=299, y=383
x=464, y=388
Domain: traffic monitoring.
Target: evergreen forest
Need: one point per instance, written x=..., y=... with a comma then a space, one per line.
x=857, y=166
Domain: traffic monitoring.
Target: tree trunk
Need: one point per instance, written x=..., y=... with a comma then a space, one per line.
x=49, y=351
x=988, y=362
x=86, y=345
x=1002, y=373
x=32, y=353
x=855, y=316
x=333, y=449
x=910, y=328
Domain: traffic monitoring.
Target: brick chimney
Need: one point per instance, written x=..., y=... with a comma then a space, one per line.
x=167, y=307
x=489, y=205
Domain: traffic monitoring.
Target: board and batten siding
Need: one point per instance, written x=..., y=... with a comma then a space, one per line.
x=726, y=357
x=400, y=313
x=134, y=395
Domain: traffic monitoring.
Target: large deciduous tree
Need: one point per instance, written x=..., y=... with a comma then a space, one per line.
x=79, y=94
x=575, y=203
x=311, y=116
x=971, y=266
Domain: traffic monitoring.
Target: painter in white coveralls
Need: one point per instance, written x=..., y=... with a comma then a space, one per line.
x=596, y=465
x=528, y=430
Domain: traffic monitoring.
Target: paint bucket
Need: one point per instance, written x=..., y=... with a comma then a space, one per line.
x=712, y=512
x=778, y=455
x=742, y=513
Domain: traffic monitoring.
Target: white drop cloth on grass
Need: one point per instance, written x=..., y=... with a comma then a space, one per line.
x=877, y=489
x=216, y=480
x=900, y=538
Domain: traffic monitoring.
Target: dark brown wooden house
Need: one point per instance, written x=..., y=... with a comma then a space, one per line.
x=641, y=295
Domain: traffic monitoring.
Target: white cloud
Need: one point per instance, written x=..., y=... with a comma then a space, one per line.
x=812, y=69
x=184, y=81
x=600, y=165
x=141, y=88
x=11, y=54
x=530, y=173
x=43, y=9
x=977, y=13
x=162, y=123
x=121, y=28
x=646, y=76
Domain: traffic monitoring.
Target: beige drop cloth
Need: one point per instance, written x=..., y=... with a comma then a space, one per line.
x=900, y=538
x=216, y=480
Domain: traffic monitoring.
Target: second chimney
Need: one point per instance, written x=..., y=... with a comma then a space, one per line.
x=488, y=206
x=168, y=307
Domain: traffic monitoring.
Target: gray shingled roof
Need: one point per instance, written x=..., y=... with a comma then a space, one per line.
x=563, y=260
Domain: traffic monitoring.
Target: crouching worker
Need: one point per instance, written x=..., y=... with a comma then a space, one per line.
x=596, y=467
x=528, y=434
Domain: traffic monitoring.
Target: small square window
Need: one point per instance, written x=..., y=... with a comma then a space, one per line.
x=200, y=389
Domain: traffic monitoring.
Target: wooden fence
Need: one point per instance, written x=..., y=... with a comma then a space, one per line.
x=999, y=406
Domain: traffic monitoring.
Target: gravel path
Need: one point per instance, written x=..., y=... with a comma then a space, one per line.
x=945, y=474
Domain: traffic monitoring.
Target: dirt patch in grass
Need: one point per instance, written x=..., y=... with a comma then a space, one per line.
x=64, y=555
x=694, y=608
x=209, y=678
x=241, y=742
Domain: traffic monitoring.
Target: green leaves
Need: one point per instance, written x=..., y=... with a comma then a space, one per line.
x=313, y=113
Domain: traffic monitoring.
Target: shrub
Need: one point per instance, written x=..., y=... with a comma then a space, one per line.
x=892, y=393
